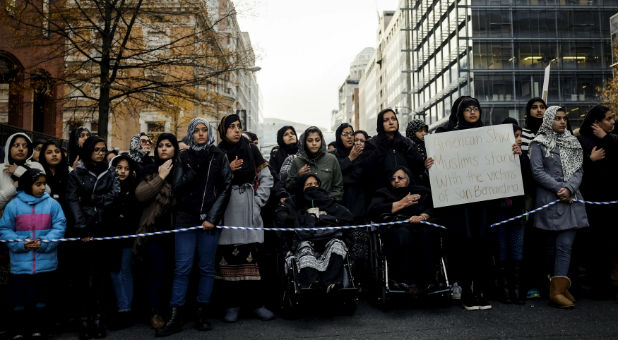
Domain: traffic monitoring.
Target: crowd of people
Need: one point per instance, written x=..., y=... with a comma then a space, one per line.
x=90, y=191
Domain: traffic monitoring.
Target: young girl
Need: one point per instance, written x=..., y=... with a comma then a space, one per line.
x=34, y=216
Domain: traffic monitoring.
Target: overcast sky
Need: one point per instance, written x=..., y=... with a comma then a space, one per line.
x=305, y=49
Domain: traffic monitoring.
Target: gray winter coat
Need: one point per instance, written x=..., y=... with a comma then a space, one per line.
x=243, y=209
x=547, y=172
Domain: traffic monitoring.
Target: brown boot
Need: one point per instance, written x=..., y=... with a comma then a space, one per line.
x=557, y=287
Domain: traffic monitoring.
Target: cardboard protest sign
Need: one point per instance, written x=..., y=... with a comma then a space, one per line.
x=473, y=165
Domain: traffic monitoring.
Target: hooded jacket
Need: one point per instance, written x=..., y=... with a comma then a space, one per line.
x=7, y=189
x=323, y=164
x=32, y=217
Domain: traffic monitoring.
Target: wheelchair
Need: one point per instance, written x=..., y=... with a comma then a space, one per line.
x=385, y=290
x=296, y=297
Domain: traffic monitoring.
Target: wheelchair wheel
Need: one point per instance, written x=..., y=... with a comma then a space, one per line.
x=289, y=305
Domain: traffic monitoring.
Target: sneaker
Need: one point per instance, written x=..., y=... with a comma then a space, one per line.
x=482, y=302
x=533, y=293
x=231, y=314
x=264, y=314
x=469, y=302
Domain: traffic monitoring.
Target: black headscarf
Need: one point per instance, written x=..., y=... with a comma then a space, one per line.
x=304, y=137
x=291, y=149
x=380, y=121
x=312, y=197
x=462, y=124
x=74, y=148
x=130, y=182
x=400, y=192
x=86, y=153
x=57, y=180
x=595, y=114
x=253, y=162
x=532, y=123
x=342, y=150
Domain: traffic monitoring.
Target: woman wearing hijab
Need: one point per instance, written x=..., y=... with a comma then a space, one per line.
x=410, y=248
x=390, y=150
x=556, y=159
x=139, y=151
x=288, y=146
x=597, y=245
x=202, y=194
x=320, y=254
x=238, y=254
x=17, y=152
x=535, y=109
x=77, y=137
x=91, y=190
x=314, y=159
x=156, y=194
x=469, y=227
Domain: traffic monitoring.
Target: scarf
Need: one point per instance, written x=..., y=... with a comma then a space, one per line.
x=571, y=154
x=340, y=149
x=191, y=129
x=136, y=152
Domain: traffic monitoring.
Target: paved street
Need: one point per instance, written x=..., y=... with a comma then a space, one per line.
x=590, y=320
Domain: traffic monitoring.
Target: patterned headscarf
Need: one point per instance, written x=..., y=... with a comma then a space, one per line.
x=136, y=152
x=571, y=154
x=211, y=136
x=415, y=126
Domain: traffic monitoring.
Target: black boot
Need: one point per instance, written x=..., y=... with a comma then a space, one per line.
x=504, y=294
x=202, y=323
x=516, y=292
x=85, y=330
x=18, y=324
x=98, y=327
x=173, y=325
x=41, y=324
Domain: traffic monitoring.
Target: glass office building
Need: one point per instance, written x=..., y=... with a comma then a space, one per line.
x=497, y=51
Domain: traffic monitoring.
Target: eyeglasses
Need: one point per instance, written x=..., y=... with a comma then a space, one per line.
x=145, y=141
x=471, y=109
x=398, y=178
x=102, y=150
x=347, y=134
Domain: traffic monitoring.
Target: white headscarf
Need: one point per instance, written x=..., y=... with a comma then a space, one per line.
x=571, y=153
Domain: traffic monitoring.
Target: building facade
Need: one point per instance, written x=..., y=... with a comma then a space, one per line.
x=30, y=98
x=497, y=51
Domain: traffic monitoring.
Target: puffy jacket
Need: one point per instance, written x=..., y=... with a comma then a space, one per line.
x=89, y=197
x=32, y=217
x=203, y=186
x=7, y=189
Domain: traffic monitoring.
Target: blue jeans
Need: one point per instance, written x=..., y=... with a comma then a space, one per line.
x=559, y=244
x=510, y=239
x=205, y=242
x=122, y=282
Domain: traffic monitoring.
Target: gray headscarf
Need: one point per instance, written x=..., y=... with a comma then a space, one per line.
x=211, y=136
x=571, y=153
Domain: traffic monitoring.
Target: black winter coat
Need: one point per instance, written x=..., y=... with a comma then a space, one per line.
x=89, y=197
x=387, y=155
x=382, y=203
x=203, y=186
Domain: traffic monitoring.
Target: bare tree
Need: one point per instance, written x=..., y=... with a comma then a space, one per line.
x=123, y=54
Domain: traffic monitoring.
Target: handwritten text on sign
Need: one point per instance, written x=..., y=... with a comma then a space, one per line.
x=473, y=165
